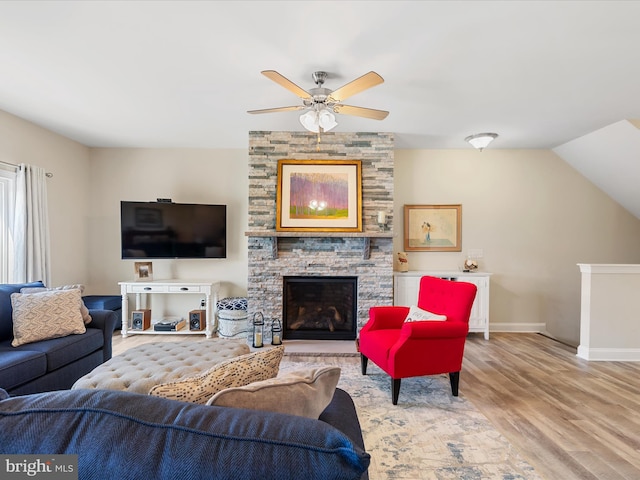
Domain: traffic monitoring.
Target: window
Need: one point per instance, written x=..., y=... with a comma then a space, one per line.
x=7, y=204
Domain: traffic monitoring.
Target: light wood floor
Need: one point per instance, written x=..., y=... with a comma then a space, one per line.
x=569, y=418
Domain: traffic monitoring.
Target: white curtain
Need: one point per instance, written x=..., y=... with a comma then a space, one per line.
x=31, y=226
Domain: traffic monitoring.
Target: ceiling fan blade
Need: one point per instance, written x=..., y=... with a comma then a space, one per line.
x=364, y=82
x=361, y=112
x=278, y=109
x=286, y=83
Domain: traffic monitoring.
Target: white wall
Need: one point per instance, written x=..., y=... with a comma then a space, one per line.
x=68, y=191
x=609, y=327
x=534, y=217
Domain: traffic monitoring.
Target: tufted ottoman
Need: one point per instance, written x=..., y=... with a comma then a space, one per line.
x=141, y=368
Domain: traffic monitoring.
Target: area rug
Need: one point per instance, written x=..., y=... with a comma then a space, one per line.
x=429, y=435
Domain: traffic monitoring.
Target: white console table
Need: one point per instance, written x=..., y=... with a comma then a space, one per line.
x=407, y=284
x=208, y=289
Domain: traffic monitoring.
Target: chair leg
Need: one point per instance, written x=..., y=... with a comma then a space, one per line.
x=454, y=378
x=395, y=390
x=363, y=363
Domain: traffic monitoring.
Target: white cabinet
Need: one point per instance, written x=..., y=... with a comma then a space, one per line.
x=407, y=284
x=209, y=290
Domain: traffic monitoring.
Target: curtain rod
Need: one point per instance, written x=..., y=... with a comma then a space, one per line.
x=48, y=174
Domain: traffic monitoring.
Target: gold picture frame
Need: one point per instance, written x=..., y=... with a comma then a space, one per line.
x=433, y=228
x=319, y=196
x=144, y=271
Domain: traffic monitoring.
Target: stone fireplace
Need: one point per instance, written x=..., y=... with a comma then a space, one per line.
x=319, y=308
x=366, y=256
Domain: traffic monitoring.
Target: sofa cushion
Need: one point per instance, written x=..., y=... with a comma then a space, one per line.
x=65, y=350
x=305, y=393
x=235, y=372
x=84, y=311
x=51, y=314
x=189, y=441
x=103, y=302
x=20, y=366
x=6, y=289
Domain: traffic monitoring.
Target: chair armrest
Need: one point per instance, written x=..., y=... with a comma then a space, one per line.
x=104, y=320
x=434, y=329
x=386, y=317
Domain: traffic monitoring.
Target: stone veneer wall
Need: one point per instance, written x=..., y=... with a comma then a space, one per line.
x=335, y=255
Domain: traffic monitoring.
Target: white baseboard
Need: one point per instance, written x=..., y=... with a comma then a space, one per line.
x=518, y=327
x=609, y=354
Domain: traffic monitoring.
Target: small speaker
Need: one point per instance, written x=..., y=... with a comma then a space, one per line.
x=140, y=319
x=197, y=319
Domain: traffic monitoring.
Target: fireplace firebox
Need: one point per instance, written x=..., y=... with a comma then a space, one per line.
x=319, y=308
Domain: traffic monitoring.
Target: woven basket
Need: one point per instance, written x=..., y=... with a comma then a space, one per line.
x=232, y=324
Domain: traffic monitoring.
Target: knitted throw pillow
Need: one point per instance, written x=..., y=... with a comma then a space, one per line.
x=83, y=308
x=235, y=372
x=45, y=315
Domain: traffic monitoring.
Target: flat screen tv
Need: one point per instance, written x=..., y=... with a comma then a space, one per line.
x=173, y=230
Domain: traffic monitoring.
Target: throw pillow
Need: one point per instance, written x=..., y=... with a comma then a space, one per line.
x=45, y=315
x=418, y=315
x=84, y=311
x=235, y=372
x=305, y=393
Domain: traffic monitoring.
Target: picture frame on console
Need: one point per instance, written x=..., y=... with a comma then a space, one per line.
x=319, y=196
x=143, y=271
x=433, y=228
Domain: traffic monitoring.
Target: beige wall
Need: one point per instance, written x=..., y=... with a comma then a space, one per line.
x=532, y=214
x=185, y=176
x=68, y=190
x=534, y=217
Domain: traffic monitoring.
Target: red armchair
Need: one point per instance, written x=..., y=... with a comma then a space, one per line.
x=412, y=349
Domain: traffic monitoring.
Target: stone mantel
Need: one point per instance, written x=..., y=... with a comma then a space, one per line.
x=267, y=234
x=366, y=238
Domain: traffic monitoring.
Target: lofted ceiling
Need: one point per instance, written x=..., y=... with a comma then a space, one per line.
x=184, y=73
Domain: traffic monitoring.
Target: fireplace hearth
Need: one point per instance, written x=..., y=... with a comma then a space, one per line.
x=319, y=307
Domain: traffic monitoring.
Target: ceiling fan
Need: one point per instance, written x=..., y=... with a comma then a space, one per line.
x=321, y=103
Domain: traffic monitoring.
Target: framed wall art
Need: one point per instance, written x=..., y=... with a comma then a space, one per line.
x=433, y=228
x=319, y=196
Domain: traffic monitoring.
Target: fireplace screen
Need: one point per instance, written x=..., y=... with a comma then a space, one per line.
x=320, y=308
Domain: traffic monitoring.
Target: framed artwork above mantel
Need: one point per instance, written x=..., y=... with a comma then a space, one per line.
x=433, y=228
x=319, y=196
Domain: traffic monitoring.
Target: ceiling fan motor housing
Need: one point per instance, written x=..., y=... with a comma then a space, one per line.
x=319, y=77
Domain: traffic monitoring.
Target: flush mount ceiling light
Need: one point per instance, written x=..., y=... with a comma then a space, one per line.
x=481, y=140
x=317, y=119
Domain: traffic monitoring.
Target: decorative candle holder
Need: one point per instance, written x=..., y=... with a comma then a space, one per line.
x=258, y=330
x=276, y=332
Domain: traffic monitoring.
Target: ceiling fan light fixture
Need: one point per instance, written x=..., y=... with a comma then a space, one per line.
x=314, y=120
x=481, y=140
x=327, y=120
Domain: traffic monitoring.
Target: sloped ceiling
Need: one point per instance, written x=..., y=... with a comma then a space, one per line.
x=610, y=158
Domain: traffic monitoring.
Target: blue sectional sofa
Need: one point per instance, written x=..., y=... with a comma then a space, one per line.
x=53, y=364
x=128, y=435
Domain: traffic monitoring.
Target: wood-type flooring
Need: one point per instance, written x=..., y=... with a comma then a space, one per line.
x=569, y=418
